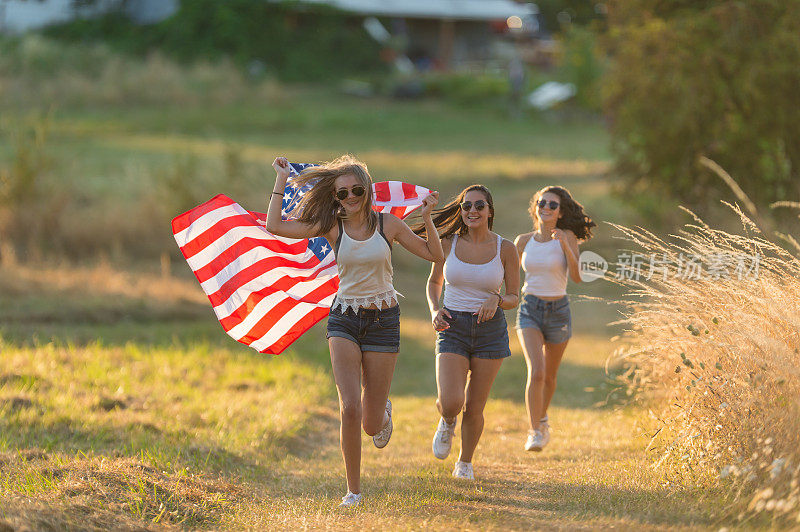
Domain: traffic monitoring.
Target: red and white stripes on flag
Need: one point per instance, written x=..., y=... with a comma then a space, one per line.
x=397, y=197
x=268, y=290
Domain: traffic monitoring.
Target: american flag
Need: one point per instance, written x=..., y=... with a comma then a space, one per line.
x=267, y=290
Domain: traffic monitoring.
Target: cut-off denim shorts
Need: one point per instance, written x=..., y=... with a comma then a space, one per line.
x=552, y=318
x=371, y=329
x=467, y=337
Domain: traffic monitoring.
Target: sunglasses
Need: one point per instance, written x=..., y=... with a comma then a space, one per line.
x=552, y=204
x=467, y=205
x=357, y=191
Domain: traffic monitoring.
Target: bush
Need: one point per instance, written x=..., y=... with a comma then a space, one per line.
x=466, y=88
x=712, y=78
x=294, y=41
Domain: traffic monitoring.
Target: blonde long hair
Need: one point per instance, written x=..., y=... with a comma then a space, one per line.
x=319, y=205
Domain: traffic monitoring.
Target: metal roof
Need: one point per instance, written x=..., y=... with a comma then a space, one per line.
x=435, y=9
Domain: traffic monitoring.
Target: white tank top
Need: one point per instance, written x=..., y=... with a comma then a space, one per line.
x=365, y=271
x=545, y=268
x=467, y=286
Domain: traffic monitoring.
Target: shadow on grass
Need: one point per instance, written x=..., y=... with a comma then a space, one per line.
x=64, y=436
x=559, y=500
x=525, y=504
x=579, y=386
x=513, y=504
x=165, y=448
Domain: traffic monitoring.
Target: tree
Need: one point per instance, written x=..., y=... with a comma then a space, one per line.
x=713, y=78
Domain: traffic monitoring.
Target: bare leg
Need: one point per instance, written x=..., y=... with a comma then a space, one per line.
x=482, y=374
x=378, y=371
x=346, y=363
x=532, y=347
x=451, y=379
x=552, y=360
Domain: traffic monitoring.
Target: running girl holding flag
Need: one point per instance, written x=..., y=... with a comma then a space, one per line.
x=364, y=322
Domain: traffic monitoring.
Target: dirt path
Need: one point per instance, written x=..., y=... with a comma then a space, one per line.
x=593, y=475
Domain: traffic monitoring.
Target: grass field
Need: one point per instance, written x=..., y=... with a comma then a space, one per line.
x=124, y=405
x=145, y=412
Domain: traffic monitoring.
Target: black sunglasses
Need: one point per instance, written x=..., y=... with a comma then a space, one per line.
x=467, y=205
x=357, y=191
x=552, y=204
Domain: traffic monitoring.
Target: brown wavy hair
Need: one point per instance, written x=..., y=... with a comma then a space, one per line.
x=319, y=205
x=573, y=217
x=448, y=219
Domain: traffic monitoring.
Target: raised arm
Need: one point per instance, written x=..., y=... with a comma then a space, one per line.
x=275, y=225
x=428, y=249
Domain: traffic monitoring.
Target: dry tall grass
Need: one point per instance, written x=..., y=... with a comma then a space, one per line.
x=714, y=327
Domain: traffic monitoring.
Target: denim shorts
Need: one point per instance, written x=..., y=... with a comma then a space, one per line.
x=371, y=329
x=467, y=337
x=552, y=318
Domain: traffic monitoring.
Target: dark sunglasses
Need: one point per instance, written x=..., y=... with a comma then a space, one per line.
x=357, y=191
x=552, y=204
x=467, y=205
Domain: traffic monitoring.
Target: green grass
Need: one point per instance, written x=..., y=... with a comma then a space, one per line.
x=167, y=419
x=124, y=404
x=320, y=120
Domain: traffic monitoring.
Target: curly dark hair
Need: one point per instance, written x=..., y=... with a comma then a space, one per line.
x=448, y=219
x=573, y=216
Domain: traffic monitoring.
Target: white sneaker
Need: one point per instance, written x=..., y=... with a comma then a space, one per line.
x=443, y=439
x=463, y=470
x=350, y=500
x=381, y=439
x=538, y=439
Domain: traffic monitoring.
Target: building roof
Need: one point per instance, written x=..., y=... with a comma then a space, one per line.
x=435, y=9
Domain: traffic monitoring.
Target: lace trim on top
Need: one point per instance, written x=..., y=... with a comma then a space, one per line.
x=355, y=303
